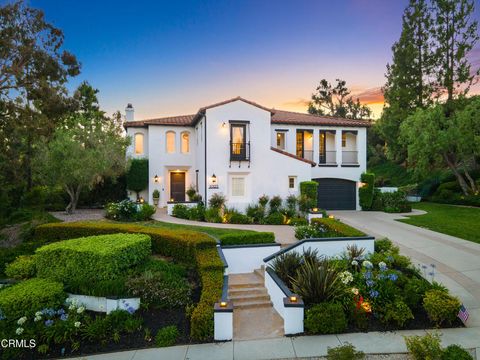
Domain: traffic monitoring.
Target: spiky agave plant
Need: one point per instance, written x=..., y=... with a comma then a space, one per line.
x=286, y=265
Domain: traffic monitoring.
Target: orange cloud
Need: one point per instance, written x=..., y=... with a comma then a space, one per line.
x=370, y=96
x=300, y=102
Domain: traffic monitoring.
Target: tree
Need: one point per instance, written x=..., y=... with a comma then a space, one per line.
x=87, y=149
x=137, y=175
x=409, y=78
x=455, y=35
x=435, y=140
x=33, y=71
x=335, y=101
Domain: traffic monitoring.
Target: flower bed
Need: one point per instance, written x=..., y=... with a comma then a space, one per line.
x=379, y=291
x=324, y=228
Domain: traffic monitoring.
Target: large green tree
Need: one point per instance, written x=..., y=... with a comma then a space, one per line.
x=409, y=77
x=437, y=140
x=33, y=99
x=87, y=149
x=335, y=100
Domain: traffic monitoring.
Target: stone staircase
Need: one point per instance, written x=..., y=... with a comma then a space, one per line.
x=253, y=313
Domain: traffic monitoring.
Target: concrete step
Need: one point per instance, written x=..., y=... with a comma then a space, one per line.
x=249, y=297
x=251, y=304
x=245, y=286
x=244, y=280
x=260, y=272
x=247, y=291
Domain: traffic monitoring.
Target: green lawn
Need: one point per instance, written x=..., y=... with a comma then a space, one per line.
x=213, y=231
x=462, y=222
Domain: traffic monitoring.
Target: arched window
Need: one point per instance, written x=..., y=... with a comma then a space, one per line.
x=185, y=142
x=138, y=143
x=170, y=142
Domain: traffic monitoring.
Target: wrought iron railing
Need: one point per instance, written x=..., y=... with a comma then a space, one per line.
x=308, y=155
x=239, y=151
x=327, y=157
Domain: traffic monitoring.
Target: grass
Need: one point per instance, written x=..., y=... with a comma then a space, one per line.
x=462, y=222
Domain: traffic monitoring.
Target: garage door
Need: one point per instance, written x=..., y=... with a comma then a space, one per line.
x=336, y=194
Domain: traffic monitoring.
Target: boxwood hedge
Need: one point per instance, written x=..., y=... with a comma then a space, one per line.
x=247, y=238
x=336, y=226
x=184, y=246
x=29, y=296
x=102, y=257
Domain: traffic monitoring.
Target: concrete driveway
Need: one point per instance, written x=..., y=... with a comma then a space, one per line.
x=457, y=261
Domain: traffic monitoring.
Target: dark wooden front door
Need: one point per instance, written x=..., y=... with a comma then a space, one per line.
x=177, y=186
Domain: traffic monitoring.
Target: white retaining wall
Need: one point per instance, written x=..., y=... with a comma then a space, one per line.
x=245, y=259
x=103, y=304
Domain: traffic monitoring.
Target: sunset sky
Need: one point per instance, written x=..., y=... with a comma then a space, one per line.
x=172, y=57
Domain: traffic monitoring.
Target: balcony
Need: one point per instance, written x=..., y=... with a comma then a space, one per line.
x=307, y=155
x=327, y=158
x=349, y=158
x=239, y=151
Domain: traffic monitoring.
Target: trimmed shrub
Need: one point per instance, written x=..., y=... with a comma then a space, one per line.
x=365, y=193
x=217, y=200
x=309, y=189
x=127, y=210
x=197, y=213
x=180, y=211
x=455, y=352
x=398, y=312
x=275, y=204
x=166, y=336
x=29, y=296
x=345, y=352
x=326, y=318
x=292, y=202
x=137, y=175
x=336, y=226
x=298, y=221
x=212, y=215
x=383, y=245
x=263, y=200
x=256, y=213
x=247, y=238
x=22, y=268
x=440, y=306
x=237, y=218
x=275, y=219
x=424, y=347
x=102, y=257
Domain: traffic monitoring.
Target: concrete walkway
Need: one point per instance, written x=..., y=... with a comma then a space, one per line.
x=284, y=234
x=296, y=347
x=457, y=261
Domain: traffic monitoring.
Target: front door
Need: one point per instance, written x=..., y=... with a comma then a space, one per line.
x=177, y=186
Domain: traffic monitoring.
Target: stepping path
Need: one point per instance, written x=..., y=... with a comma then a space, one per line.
x=253, y=314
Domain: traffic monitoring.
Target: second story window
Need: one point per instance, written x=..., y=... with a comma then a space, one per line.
x=170, y=142
x=239, y=145
x=185, y=146
x=344, y=139
x=280, y=138
x=138, y=143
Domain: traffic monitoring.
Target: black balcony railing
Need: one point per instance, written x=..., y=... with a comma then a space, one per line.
x=327, y=157
x=239, y=151
x=350, y=157
x=308, y=155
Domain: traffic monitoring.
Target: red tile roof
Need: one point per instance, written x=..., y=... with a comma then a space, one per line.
x=278, y=117
x=293, y=156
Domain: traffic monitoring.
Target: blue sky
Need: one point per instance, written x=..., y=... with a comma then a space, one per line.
x=172, y=57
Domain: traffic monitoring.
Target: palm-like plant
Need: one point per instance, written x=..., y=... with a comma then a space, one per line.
x=286, y=265
x=317, y=283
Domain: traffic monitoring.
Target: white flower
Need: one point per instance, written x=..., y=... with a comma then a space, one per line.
x=346, y=277
x=19, y=331
x=38, y=313
x=355, y=291
x=382, y=265
x=367, y=264
x=22, y=320
x=80, y=310
x=77, y=324
x=72, y=307
x=354, y=262
x=37, y=318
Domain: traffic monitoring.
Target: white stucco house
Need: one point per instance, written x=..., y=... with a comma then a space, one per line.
x=243, y=150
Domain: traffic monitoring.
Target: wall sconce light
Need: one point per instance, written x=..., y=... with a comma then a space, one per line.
x=142, y=200
x=156, y=179
x=172, y=199
x=224, y=124
x=293, y=299
x=214, y=179
x=331, y=217
x=223, y=304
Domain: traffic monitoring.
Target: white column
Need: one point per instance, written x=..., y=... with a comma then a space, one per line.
x=338, y=146
x=316, y=145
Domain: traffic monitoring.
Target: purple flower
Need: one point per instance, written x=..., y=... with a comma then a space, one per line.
x=370, y=283
x=380, y=276
x=61, y=312
x=131, y=310
x=49, y=323
x=64, y=317
x=367, y=275
x=393, y=277
x=373, y=293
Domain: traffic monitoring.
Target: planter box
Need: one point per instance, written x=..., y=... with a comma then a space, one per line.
x=171, y=204
x=105, y=304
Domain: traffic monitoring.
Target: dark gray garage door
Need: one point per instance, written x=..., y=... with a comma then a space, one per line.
x=336, y=194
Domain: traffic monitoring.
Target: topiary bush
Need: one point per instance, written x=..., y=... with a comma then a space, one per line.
x=166, y=336
x=309, y=189
x=275, y=204
x=22, y=268
x=137, y=175
x=325, y=318
x=365, y=193
x=441, y=307
x=100, y=257
x=29, y=296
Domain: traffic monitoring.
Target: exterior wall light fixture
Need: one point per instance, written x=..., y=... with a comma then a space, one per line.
x=156, y=179
x=223, y=304
x=293, y=299
x=214, y=179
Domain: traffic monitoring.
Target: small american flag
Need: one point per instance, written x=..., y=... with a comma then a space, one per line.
x=463, y=314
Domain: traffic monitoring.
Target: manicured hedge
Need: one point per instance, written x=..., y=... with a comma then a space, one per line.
x=184, y=246
x=309, y=189
x=101, y=257
x=337, y=226
x=29, y=296
x=247, y=238
x=365, y=193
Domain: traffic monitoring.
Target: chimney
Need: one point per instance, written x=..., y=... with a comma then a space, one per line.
x=129, y=113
